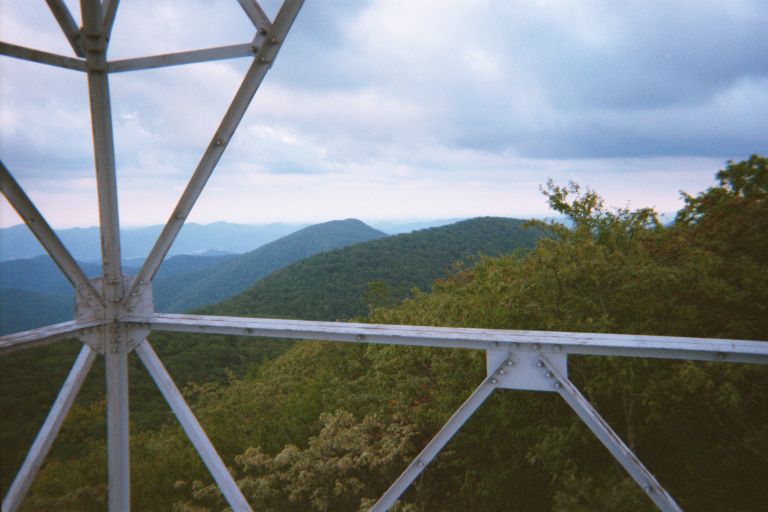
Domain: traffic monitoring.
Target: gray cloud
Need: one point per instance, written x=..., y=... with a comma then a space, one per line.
x=400, y=90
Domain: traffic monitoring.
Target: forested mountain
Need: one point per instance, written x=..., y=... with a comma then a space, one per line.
x=40, y=274
x=24, y=309
x=329, y=426
x=182, y=292
x=343, y=283
x=182, y=282
x=35, y=292
x=394, y=227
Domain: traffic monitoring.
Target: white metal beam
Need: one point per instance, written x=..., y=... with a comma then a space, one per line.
x=103, y=144
x=609, y=438
x=663, y=347
x=45, y=335
x=110, y=11
x=253, y=78
x=118, y=435
x=192, y=428
x=180, y=58
x=459, y=418
x=114, y=339
x=49, y=430
x=68, y=25
x=52, y=59
x=47, y=237
x=256, y=14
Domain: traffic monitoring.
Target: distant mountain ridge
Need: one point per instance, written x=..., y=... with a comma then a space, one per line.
x=31, y=285
x=181, y=292
x=83, y=243
x=34, y=292
x=332, y=285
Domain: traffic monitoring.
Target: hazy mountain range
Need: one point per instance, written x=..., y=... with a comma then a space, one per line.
x=31, y=285
x=180, y=292
x=83, y=243
x=199, y=239
x=335, y=285
x=326, y=269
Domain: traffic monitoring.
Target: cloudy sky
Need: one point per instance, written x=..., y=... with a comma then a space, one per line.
x=397, y=109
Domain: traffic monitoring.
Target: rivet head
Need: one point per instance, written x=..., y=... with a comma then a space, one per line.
x=509, y=362
x=501, y=372
x=549, y=375
x=359, y=337
x=494, y=381
x=540, y=364
x=558, y=385
x=420, y=464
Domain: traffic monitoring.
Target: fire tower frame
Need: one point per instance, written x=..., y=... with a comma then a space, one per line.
x=115, y=313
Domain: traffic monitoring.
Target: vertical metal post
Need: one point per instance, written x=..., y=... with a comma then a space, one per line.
x=620, y=451
x=118, y=439
x=115, y=343
x=462, y=414
x=49, y=430
x=192, y=428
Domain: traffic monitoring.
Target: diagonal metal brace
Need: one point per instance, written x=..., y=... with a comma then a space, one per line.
x=253, y=78
x=32, y=55
x=620, y=451
x=181, y=58
x=48, y=238
x=257, y=15
x=49, y=430
x=68, y=25
x=192, y=428
x=462, y=414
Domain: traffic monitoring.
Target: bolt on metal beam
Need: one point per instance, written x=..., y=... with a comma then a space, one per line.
x=114, y=339
x=662, y=347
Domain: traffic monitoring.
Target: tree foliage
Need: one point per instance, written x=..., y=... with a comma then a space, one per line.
x=327, y=426
x=332, y=285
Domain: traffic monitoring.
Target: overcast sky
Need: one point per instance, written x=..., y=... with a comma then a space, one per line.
x=397, y=109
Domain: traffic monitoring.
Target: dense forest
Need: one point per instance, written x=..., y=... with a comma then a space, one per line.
x=340, y=284
x=183, y=291
x=325, y=426
x=30, y=379
x=182, y=282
